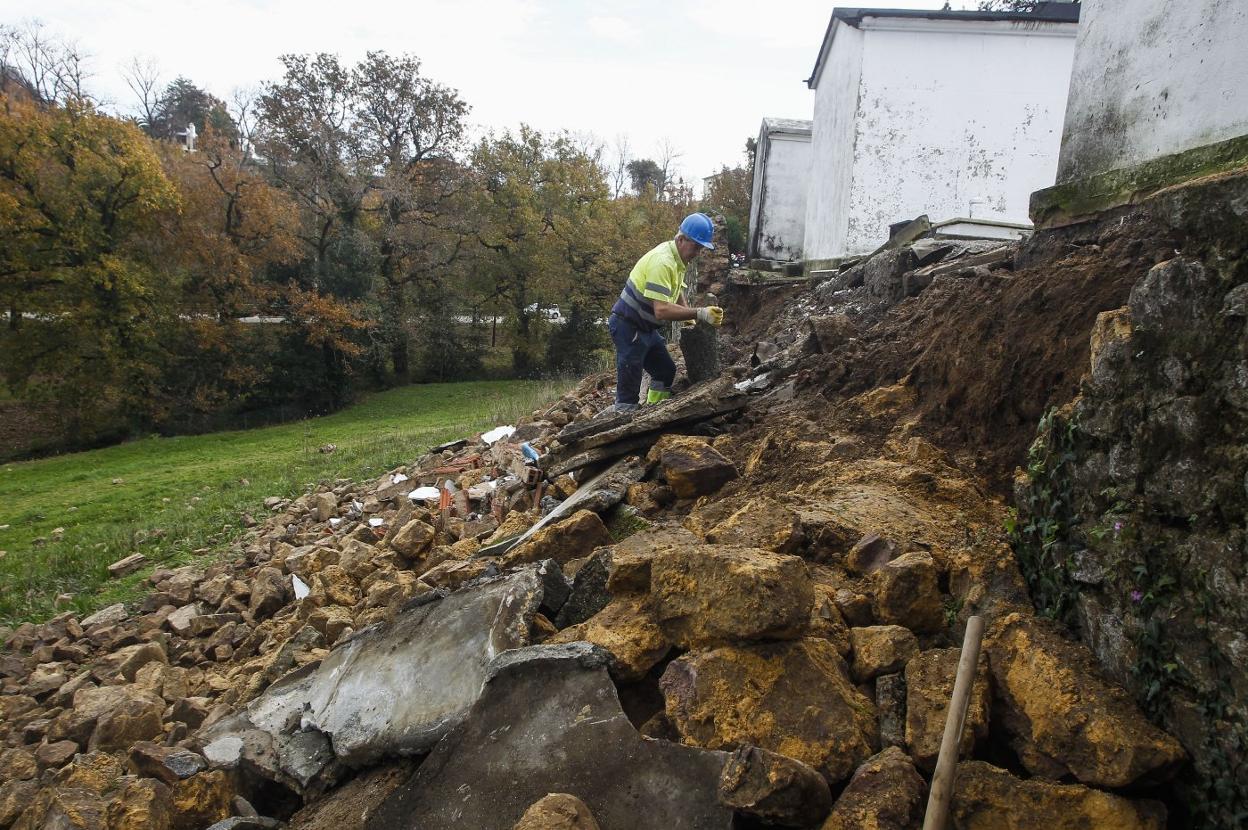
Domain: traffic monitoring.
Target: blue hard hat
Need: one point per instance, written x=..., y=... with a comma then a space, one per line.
x=698, y=227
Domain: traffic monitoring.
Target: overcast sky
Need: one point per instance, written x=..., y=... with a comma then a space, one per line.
x=700, y=73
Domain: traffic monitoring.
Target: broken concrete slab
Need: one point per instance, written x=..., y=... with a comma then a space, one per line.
x=393, y=689
x=549, y=720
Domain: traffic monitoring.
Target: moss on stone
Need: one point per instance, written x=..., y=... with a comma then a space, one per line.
x=1067, y=203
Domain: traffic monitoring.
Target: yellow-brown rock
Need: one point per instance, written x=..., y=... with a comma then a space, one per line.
x=713, y=594
x=202, y=800
x=121, y=715
x=331, y=620
x=332, y=586
x=94, y=771
x=774, y=788
x=15, y=797
x=517, y=522
x=17, y=764
x=413, y=539
x=988, y=798
x=63, y=808
x=631, y=559
x=885, y=794
x=626, y=628
x=880, y=649
x=1063, y=717
x=907, y=592
x=762, y=523
x=572, y=538
x=142, y=804
x=929, y=685
x=794, y=698
x=826, y=621
x=557, y=811
x=691, y=466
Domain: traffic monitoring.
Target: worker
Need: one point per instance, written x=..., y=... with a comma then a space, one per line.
x=652, y=296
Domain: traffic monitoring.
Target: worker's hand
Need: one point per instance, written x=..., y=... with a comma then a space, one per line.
x=712, y=314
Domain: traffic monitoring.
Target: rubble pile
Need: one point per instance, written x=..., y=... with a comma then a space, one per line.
x=741, y=605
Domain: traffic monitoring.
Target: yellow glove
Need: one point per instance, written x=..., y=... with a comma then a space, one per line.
x=712, y=314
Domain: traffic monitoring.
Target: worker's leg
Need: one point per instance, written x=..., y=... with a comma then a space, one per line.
x=630, y=353
x=661, y=368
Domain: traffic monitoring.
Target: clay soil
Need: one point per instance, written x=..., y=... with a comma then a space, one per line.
x=987, y=354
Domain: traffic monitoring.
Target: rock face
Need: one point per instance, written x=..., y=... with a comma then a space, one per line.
x=773, y=788
x=691, y=466
x=988, y=798
x=712, y=594
x=793, y=698
x=1063, y=718
x=557, y=811
x=391, y=690
x=929, y=685
x=510, y=753
x=885, y=794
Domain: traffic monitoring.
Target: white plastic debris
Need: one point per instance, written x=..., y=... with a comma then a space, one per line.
x=424, y=494
x=757, y=382
x=398, y=478
x=334, y=522
x=375, y=522
x=301, y=590
x=498, y=433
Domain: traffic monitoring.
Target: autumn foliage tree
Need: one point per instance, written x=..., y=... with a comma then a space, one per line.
x=80, y=193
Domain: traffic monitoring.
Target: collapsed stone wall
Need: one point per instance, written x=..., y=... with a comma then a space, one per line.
x=1132, y=522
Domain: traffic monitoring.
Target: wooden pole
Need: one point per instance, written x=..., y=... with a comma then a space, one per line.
x=947, y=761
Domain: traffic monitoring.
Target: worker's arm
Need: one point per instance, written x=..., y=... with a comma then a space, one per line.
x=673, y=311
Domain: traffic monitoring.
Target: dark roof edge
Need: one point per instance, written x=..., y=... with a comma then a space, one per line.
x=1045, y=12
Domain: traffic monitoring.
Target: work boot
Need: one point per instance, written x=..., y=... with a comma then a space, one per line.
x=621, y=409
x=657, y=396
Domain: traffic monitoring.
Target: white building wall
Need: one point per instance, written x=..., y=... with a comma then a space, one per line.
x=836, y=113
x=1154, y=77
x=941, y=113
x=778, y=206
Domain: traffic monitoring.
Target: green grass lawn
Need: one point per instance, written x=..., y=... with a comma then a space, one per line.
x=193, y=489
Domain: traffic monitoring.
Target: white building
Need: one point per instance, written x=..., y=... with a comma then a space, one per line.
x=1153, y=79
x=952, y=114
x=778, y=198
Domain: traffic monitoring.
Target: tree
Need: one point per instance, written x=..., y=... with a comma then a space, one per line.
x=646, y=177
x=409, y=132
x=304, y=134
x=81, y=195
x=34, y=63
x=541, y=207
x=182, y=104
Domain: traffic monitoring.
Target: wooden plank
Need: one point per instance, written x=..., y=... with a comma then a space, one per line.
x=594, y=456
x=715, y=398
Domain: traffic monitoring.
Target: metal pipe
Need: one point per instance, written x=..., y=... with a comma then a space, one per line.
x=947, y=762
